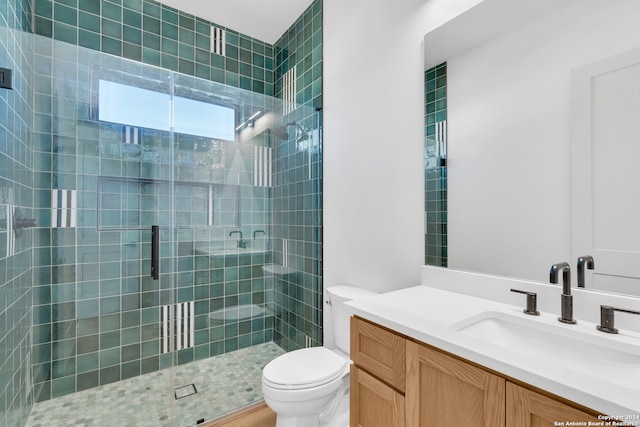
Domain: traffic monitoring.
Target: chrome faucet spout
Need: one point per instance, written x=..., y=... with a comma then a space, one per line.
x=566, y=299
x=583, y=261
x=241, y=243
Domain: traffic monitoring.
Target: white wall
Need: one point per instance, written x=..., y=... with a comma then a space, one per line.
x=509, y=137
x=373, y=140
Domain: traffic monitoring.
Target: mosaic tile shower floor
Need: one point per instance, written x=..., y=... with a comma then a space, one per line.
x=224, y=383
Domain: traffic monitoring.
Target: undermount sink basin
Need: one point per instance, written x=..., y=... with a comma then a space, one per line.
x=574, y=350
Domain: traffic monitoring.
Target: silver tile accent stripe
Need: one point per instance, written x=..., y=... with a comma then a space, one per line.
x=218, y=41
x=28, y=384
x=165, y=328
x=182, y=317
x=285, y=252
x=64, y=208
x=210, y=207
x=131, y=135
x=11, y=235
x=262, y=173
x=441, y=138
x=289, y=91
x=185, y=328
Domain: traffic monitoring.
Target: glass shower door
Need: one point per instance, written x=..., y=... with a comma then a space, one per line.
x=136, y=210
x=170, y=263
x=223, y=188
x=102, y=179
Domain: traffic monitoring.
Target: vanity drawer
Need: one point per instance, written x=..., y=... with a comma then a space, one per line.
x=374, y=403
x=378, y=351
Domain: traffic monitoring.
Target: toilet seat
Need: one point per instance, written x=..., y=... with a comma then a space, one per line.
x=303, y=369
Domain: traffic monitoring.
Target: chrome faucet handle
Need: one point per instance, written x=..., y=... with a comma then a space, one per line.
x=607, y=321
x=532, y=302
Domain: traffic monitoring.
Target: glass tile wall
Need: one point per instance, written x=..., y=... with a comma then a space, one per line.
x=435, y=83
x=95, y=314
x=16, y=200
x=301, y=46
x=156, y=34
x=297, y=193
x=96, y=309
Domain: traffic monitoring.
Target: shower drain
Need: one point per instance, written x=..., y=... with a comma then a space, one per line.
x=185, y=391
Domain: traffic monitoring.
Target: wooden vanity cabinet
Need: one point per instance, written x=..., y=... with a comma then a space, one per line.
x=377, y=380
x=527, y=408
x=445, y=391
x=398, y=382
x=380, y=351
x=374, y=403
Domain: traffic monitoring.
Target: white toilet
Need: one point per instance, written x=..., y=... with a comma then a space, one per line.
x=309, y=387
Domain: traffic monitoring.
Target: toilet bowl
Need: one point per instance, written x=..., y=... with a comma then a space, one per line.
x=308, y=387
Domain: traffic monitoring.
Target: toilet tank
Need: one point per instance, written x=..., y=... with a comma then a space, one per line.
x=338, y=295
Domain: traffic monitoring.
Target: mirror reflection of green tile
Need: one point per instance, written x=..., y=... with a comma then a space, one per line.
x=435, y=83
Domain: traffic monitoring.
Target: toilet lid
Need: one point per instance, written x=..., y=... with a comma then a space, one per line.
x=304, y=368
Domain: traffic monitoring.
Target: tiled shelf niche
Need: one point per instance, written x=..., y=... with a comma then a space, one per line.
x=139, y=203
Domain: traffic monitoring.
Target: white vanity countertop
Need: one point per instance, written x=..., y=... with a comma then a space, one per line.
x=432, y=316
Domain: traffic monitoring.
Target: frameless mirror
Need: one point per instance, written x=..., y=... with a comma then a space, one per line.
x=531, y=140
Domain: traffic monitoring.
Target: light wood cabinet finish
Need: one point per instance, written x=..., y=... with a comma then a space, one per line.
x=399, y=382
x=378, y=351
x=445, y=391
x=374, y=403
x=527, y=408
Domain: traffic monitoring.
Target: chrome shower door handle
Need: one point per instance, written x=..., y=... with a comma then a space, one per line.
x=155, y=252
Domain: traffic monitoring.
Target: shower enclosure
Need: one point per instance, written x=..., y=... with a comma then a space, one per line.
x=176, y=247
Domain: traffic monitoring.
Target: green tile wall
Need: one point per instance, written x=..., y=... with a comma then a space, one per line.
x=95, y=310
x=435, y=83
x=156, y=34
x=298, y=193
x=301, y=46
x=16, y=176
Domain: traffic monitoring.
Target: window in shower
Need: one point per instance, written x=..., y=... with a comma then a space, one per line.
x=145, y=108
x=133, y=106
x=193, y=117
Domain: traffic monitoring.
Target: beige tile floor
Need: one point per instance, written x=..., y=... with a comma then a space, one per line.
x=224, y=384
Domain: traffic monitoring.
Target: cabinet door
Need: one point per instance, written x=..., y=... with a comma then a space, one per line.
x=445, y=391
x=373, y=403
x=526, y=408
x=379, y=351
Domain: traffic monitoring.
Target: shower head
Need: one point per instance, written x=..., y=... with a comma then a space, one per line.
x=281, y=132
